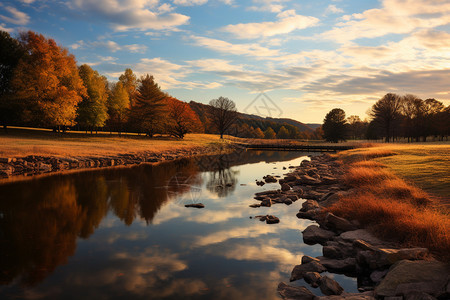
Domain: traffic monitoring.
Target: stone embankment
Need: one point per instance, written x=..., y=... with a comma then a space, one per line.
x=384, y=270
x=36, y=165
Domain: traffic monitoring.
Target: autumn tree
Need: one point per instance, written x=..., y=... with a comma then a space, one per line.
x=149, y=110
x=130, y=83
x=10, y=53
x=412, y=109
x=269, y=133
x=386, y=114
x=92, y=110
x=283, y=133
x=222, y=113
x=47, y=80
x=181, y=118
x=118, y=105
x=334, y=129
x=259, y=134
x=432, y=122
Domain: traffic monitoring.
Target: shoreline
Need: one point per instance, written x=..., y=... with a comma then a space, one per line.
x=383, y=268
x=36, y=166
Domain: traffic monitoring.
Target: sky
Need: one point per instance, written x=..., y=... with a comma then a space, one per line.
x=277, y=58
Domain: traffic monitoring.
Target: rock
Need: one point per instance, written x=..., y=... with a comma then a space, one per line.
x=260, y=183
x=379, y=258
x=338, y=224
x=285, y=187
x=255, y=205
x=361, y=234
x=294, y=292
x=6, y=160
x=300, y=270
x=328, y=179
x=313, y=195
x=309, y=205
x=269, y=179
x=332, y=252
x=419, y=296
x=312, y=278
x=377, y=276
x=266, y=202
x=348, y=296
x=407, y=276
x=196, y=205
x=310, y=215
x=289, y=178
x=305, y=179
x=44, y=167
x=339, y=265
x=329, y=286
x=313, y=235
x=307, y=259
x=272, y=219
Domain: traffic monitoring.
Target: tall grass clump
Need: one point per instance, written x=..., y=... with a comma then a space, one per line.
x=392, y=208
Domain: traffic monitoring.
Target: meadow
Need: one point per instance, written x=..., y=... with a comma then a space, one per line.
x=401, y=193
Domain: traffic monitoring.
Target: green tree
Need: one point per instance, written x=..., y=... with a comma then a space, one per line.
x=46, y=79
x=334, y=129
x=150, y=110
x=92, y=110
x=118, y=105
x=283, y=133
x=386, y=114
x=269, y=133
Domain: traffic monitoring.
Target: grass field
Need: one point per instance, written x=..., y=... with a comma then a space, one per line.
x=22, y=142
x=394, y=188
x=425, y=165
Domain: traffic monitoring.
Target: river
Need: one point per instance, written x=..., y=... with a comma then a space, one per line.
x=124, y=233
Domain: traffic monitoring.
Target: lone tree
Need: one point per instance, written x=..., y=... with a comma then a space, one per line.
x=223, y=114
x=334, y=126
x=386, y=114
x=118, y=106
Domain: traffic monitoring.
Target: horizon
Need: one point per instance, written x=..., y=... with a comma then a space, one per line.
x=307, y=58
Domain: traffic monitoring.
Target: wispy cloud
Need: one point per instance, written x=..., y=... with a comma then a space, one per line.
x=16, y=17
x=288, y=21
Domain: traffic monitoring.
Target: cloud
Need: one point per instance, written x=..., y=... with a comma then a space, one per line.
x=110, y=45
x=4, y=28
x=131, y=14
x=17, y=17
x=288, y=22
x=394, y=17
x=189, y=2
x=252, y=49
x=333, y=9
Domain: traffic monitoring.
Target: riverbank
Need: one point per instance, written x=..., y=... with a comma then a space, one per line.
x=32, y=152
x=372, y=226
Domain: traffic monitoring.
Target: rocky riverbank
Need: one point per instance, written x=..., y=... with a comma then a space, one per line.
x=37, y=165
x=384, y=270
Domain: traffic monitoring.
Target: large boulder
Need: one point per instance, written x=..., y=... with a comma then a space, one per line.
x=315, y=235
x=329, y=286
x=309, y=205
x=339, y=265
x=361, y=234
x=404, y=277
x=376, y=258
x=294, y=292
x=312, y=278
x=338, y=224
x=299, y=271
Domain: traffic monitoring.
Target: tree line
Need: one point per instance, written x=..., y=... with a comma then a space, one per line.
x=392, y=117
x=42, y=86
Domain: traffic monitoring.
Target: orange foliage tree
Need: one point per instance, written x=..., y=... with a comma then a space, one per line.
x=46, y=79
x=182, y=119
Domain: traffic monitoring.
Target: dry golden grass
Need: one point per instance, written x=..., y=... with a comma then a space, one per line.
x=392, y=207
x=397, y=220
x=20, y=142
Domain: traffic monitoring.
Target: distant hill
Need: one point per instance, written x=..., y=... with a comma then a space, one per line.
x=254, y=120
x=313, y=125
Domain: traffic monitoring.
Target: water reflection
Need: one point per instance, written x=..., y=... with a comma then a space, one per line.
x=77, y=222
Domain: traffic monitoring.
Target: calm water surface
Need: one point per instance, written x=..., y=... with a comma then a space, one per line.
x=125, y=233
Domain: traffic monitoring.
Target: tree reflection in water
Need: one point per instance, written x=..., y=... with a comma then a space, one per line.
x=41, y=219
